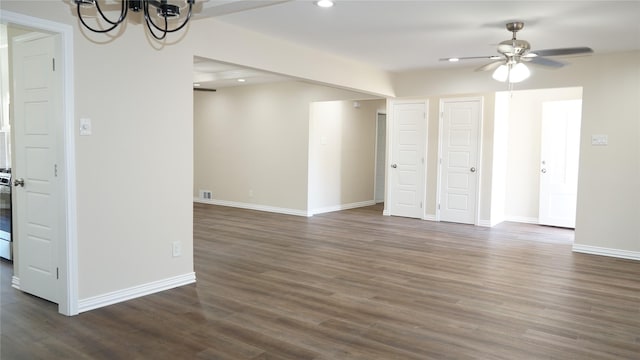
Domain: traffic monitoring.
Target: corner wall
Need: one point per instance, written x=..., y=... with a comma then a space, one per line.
x=342, y=144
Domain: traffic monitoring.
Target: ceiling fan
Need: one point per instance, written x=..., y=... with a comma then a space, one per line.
x=509, y=65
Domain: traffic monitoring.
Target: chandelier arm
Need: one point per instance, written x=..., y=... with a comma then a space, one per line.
x=149, y=22
x=166, y=27
x=186, y=20
x=123, y=14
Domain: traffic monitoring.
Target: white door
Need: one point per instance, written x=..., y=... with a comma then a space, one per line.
x=407, y=171
x=560, y=148
x=37, y=89
x=459, y=160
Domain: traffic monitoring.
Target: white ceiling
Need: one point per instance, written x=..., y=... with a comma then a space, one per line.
x=404, y=35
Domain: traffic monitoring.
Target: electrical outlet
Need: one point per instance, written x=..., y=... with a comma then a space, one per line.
x=176, y=248
x=206, y=194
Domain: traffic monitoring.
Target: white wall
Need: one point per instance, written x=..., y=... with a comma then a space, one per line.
x=500, y=157
x=252, y=143
x=342, y=143
x=227, y=43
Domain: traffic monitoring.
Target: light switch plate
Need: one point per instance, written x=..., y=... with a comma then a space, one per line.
x=599, y=140
x=85, y=126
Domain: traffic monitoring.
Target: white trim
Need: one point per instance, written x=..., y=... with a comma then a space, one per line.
x=133, y=292
x=596, y=250
x=343, y=207
x=15, y=282
x=375, y=160
x=257, y=207
x=386, y=212
x=522, y=219
x=430, y=217
x=68, y=304
x=484, y=223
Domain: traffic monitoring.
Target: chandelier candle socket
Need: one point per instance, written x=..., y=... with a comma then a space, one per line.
x=158, y=23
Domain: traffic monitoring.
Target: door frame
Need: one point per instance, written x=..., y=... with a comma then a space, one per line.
x=480, y=99
x=68, y=248
x=375, y=165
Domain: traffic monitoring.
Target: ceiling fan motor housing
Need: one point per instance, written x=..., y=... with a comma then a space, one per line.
x=514, y=47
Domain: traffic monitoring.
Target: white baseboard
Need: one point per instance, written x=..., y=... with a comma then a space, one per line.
x=343, y=207
x=386, y=212
x=484, y=223
x=257, y=207
x=114, y=297
x=522, y=219
x=596, y=250
x=15, y=282
x=430, y=217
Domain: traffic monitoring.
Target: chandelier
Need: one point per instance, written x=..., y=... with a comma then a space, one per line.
x=158, y=23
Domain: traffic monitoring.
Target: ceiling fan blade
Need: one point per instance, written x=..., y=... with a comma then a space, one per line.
x=490, y=66
x=563, y=51
x=539, y=60
x=453, y=59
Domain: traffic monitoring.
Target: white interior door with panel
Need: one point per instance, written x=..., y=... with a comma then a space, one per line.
x=407, y=165
x=560, y=148
x=459, y=148
x=37, y=89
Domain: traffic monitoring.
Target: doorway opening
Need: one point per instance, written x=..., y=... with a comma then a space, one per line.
x=542, y=138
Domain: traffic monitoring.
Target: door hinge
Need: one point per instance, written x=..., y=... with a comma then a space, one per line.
x=438, y=206
x=420, y=204
x=55, y=170
x=54, y=63
x=57, y=273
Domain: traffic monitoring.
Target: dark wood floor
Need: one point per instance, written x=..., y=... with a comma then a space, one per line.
x=354, y=285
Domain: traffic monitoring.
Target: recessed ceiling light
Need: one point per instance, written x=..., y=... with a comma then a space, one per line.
x=241, y=80
x=196, y=84
x=454, y=59
x=324, y=3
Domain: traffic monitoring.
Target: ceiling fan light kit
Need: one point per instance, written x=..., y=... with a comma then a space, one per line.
x=512, y=73
x=509, y=65
x=159, y=28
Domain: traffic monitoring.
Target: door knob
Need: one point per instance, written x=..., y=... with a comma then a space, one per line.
x=394, y=166
x=544, y=171
x=18, y=182
x=473, y=169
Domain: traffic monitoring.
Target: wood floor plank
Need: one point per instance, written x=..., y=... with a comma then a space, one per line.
x=354, y=285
